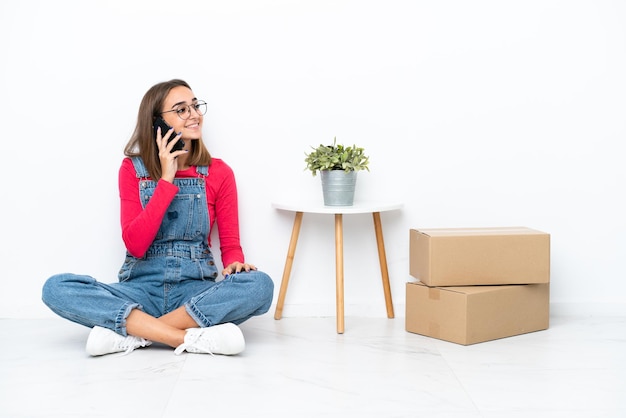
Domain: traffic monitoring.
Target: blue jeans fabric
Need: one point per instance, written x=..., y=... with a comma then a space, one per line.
x=177, y=270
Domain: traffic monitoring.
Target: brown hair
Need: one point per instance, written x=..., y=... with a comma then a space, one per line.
x=142, y=142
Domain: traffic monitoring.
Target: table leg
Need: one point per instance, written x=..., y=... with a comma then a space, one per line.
x=288, y=263
x=339, y=270
x=382, y=258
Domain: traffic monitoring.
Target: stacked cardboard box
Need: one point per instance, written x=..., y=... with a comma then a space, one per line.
x=478, y=284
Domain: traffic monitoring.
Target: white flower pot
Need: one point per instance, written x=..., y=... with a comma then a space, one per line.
x=338, y=187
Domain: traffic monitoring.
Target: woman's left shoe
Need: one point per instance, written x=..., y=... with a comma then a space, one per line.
x=224, y=339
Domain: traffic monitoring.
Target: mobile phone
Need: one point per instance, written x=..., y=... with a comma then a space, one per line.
x=160, y=123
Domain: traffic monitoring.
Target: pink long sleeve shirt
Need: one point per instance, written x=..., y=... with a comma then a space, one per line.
x=140, y=226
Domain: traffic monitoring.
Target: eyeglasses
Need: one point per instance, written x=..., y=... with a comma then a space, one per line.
x=184, y=111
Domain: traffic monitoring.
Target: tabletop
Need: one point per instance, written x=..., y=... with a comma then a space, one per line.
x=364, y=206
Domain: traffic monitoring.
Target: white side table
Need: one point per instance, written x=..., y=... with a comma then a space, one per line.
x=317, y=207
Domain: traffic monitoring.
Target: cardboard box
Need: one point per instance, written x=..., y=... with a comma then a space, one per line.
x=479, y=256
x=473, y=314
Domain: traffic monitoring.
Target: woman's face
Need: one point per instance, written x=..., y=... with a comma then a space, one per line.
x=180, y=100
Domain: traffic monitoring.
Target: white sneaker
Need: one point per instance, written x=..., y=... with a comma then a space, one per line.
x=219, y=339
x=104, y=341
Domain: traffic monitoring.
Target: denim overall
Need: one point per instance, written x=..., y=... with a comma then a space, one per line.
x=177, y=270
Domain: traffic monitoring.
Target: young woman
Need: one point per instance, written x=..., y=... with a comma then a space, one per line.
x=169, y=289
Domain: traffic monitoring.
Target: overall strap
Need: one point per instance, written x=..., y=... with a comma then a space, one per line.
x=140, y=168
x=202, y=170
x=142, y=171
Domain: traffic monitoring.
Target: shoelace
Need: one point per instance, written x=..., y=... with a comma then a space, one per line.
x=192, y=340
x=131, y=343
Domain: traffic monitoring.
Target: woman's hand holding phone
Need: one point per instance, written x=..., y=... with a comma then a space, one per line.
x=159, y=123
x=167, y=156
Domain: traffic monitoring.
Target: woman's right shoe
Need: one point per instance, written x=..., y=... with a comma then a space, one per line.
x=104, y=341
x=219, y=339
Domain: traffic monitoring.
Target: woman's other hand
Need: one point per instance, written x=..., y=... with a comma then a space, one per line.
x=237, y=267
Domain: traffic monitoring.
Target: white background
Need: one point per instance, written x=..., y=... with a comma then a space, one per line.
x=473, y=113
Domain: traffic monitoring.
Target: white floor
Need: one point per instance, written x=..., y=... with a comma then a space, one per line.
x=300, y=367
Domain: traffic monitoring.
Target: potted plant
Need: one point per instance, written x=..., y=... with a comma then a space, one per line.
x=338, y=166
